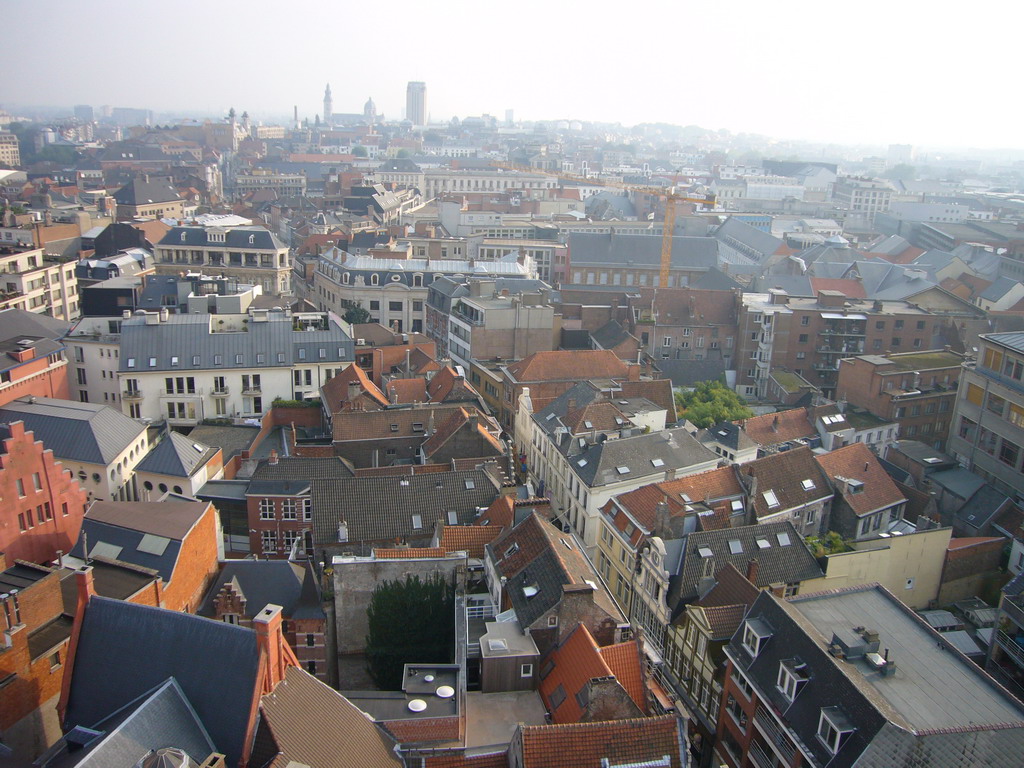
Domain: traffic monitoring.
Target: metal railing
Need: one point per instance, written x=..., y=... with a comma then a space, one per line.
x=774, y=733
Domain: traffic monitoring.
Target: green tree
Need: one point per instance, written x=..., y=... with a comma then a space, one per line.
x=709, y=403
x=403, y=153
x=901, y=172
x=354, y=313
x=410, y=622
x=829, y=544
x=360, y=151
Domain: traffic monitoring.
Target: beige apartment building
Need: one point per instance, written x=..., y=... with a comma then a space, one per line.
x=10, y=154
x=36, y=282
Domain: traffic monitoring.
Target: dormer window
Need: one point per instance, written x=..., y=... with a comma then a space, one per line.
x=833, y=728
x=252, y=239
x=755, y=635
x=792, y=675
x=183, y=236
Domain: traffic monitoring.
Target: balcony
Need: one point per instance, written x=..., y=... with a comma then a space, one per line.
x=762, y=758
x=1010, y=646
x=774, y=734
x=131, y=394
x=252, y=389
x=1013, y=611
x=220, y=391
x=825, y=367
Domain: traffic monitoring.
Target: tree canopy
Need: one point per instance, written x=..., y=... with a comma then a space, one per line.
x=411, y=622
x=354, y=313
x=360, y=151
x=709, y=403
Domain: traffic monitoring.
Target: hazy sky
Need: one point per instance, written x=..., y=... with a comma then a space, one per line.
x=898, y=71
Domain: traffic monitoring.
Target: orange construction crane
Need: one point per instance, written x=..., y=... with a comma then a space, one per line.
x=671, y=198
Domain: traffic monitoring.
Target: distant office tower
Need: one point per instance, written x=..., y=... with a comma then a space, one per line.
x=900, y=154
x=84, y=113
x=328, y=105
x=416, y=103
x=510, y=117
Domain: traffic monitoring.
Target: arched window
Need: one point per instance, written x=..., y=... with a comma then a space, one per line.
x=344, y=278
x=374, y=279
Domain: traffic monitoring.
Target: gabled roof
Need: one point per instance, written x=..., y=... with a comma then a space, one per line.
x=468, y=423
x=145, y=191
x=291, y=475
x=312, y=724
x=471, y=539
x=571, y=365
x=641, y=250
x=537, y=554
x=787, y=480
x=263, y=582
x=86, y=432
x=407, y=390
x=785, y=559
x=857, y=462
x=749, y=240
x=577, y=661
x=631, y=742
x=392, y=423
x=447, y=386
x=176, y=455
x=639, y=456
x=610, y=335
x=335, y=391
x=126, y=650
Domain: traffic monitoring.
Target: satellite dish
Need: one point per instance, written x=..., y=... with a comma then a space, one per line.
x=417, y=705
x=444, y=692
x=428, y=678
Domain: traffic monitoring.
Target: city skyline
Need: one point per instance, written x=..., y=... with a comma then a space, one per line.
x=822, y=75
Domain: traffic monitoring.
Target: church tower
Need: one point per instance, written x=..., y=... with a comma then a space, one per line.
x=328, y=105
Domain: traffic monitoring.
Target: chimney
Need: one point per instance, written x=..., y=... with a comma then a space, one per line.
x=353, y=391
x=273, y=458
x=86, y=590
x=661, y=518
x=752, y=567
x=775, y=423
x=270, y=641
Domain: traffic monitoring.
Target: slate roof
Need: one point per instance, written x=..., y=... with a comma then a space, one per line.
x=279, y=582
x=147, y=534
x=857, y=462
x=689, y=373
x=292, y=475
x=191, y=343
x=630, y=458
x=783, y=474
x=235, y=238
x=641, y=251
x=176, y=455
x=577, y=661
x=126, y=650
x=610, y=335
x=111, y=578
x=939, y=709
x=313, y=725
x=586, y=745
x=381, y=508
x=536, y=553
x=19, y=324
x=778, y=563
x=162, y=719
x=144, y=191
x=750, y=241
x=86, y=432
x=999, y=288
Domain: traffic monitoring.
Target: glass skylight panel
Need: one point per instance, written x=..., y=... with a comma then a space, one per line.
x=736, y=546
x=808, y=485
x=783, y=539
x=771, y=499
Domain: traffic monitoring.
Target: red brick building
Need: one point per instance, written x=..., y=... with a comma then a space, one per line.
x=32, y=662
x=42, y=504
x=917, y=390
x=32, y=358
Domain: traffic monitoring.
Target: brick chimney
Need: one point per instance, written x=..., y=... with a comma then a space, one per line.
x=86, y=591
x=661, y=518
x=270, y=641
x=752, y=568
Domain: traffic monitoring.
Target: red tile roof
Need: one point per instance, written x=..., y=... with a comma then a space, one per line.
x=459, y=759
x=784, y=475
x=470, y=539
x=336, y=389
x=626, y=664
x=857, y=462
x=731, y=588
x=585, y=745
x=852, y=288
x=600, y=415
x=569, y=365
x=407, y=391
x=459, y=420
x=772, y=428
x=447, y=385
x=403, y=553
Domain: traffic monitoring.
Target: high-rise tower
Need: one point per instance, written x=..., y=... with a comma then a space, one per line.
x=416, y=103
x=328, y=105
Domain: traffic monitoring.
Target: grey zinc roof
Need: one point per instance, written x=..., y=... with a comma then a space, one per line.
x=161, y=719
x=270, y=344
x=125, y=650
x=610, y=335
x=687, y=373
x=235, y=238
x=143, y=191
x=1014, y=339
x=176, y=455
x=381, y=508
x=640, y=250
x=748, y=240
x=999, y=288
x=605, y=462
x=292, y=475
x=17, y=325
x=779, y=563
x=117, y=543
x=263, y=582
x=86, y=432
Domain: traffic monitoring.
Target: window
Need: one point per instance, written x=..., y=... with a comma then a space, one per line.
x=743, y=684
x=805, y=320
x=288, y=509
x=526, y=670
x=307, y=510
x=1009, y=453
x=266, y=509
x=21, y=487
x=803, y=338
x=792, y=674
x=268, y=541
x=755, y=634
x=557, y=697
x=832, y=726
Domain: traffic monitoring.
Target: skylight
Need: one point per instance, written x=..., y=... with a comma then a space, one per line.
x=705, y=552
x=581, y=463
x=771, y=499
x=808, y=485
x=764, y=544
x=622, y=470
x=736, y=546
x=686, y=497
x=453, y=517
x=417, y=522
x=588, y=424
x=737, y=505
x=658, y=462
x=470, y=484
x=783, y=539
x=549, y=417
